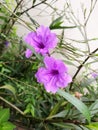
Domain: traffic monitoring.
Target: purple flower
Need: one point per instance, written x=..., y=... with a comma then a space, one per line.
x=28, y=53
x=6, y=43
x=42, y=40
x=54, y=75
x=95, y=75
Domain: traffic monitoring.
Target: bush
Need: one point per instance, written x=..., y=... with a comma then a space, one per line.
x=35, y=85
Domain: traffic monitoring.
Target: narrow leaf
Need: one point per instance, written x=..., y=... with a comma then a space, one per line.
x=56, y=22
x=34, y=2
x=77, y=103
x=63, y=27
x=93, y=126
x=69, y=126
x=60, y=114
x=9, y=87
x=55, y=109
x=94, y=108
x=62, y=125
x=2, y=18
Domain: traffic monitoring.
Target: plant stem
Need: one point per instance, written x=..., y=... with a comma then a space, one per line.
x=80, y=67
x=91, y=10
x=13, y=106
x=11, y=17
x=32, y=7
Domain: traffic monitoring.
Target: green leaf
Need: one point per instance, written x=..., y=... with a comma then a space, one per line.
x=0, y=127
x=32, y=110
x=94, y=108
x=84, y=127
x=60, y=114
x=63, y=125
x=55, y=109
x=8, y=126
x=63, y=27
x=34, y=2
x=27, y=111
x=9, y=87
x=77, y=103
x=4, y=115
x=93, y=126
x=56, y=24
x=68, y=126
x=2, y=18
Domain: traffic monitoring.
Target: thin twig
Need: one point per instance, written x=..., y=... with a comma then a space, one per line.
x=91, y=10
x=80, y=67
x=18, y=4
x=11, y=16
x=32, y=7
x=13, y=106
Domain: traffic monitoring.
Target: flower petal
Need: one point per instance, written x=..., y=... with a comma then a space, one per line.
x=62, y=68
x=42, y=75
x=29, y=38
x=42, y=40
x=51, y=63
x=43, y=31
x=52, y=40
x=51, y=85
x=64, y=80
x=28, y=53
x=53, y=75
x=95, y=75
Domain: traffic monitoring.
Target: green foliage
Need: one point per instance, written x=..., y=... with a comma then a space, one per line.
x=56, y=24
x=77, y=103
x=9, y=87
x=93, y=126
x=4, y=117
x=29, y=102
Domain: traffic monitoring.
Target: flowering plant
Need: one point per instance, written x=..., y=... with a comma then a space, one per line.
x=37, y=81
x=54, y=74
x=41, y=40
